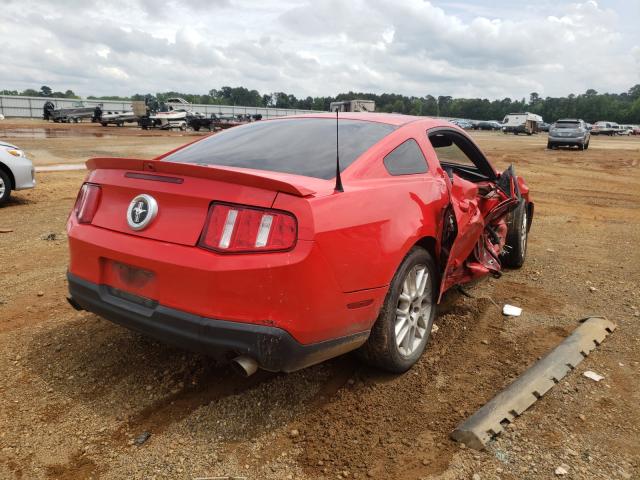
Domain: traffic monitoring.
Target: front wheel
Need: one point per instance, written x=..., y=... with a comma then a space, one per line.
x=517, y=237
x=401, y=332
x=5, y=187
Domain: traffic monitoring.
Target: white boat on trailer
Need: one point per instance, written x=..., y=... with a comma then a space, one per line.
x=175, y=115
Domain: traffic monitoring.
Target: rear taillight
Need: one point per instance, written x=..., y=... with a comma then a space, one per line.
x=87, y=202
x=237, y=228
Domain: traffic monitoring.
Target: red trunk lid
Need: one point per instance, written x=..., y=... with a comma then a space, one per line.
x=183, y=193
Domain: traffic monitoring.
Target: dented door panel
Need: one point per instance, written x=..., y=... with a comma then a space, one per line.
x=481, y=227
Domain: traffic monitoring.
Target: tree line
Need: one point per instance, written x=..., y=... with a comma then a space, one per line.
x=591, y=106
x=44, y=91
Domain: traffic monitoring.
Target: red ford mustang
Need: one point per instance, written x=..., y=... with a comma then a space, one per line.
x=248, y=243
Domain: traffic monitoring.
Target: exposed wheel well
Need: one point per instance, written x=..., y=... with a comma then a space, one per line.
x=9, y=173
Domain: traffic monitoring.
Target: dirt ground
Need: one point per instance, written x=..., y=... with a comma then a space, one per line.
x=78, y=394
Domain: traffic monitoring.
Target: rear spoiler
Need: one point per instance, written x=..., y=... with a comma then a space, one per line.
x=222, y=174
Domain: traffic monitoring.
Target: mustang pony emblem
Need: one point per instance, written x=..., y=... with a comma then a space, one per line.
x=141, y=212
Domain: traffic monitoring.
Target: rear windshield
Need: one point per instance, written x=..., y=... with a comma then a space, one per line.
x=302, y=146
x=567, y=125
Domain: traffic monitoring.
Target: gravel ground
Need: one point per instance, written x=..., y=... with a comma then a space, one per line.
x=82, y=398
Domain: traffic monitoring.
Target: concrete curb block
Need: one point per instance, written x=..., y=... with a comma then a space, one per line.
x=490, y=420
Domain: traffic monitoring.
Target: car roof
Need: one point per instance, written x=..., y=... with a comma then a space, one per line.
x=395, y=119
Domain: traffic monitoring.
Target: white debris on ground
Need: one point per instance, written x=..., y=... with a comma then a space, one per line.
x=511, y=311
x=593, y=375
x=562, y=470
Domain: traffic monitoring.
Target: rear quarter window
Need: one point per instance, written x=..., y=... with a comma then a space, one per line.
x=406, y=159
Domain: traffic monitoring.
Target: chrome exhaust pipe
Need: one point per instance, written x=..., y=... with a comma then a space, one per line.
x=244, y=365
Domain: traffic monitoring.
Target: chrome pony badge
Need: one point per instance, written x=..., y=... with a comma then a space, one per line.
x=141, y=212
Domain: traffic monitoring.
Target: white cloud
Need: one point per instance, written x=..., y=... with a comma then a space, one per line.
x=464, y=48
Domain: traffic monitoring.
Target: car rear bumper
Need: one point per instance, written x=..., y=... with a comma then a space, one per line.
x=566, y=140
x=273, y=348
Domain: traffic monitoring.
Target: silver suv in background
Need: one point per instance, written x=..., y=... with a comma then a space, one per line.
x=569, y=132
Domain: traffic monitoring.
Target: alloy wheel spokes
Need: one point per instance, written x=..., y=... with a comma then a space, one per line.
x=413, y=310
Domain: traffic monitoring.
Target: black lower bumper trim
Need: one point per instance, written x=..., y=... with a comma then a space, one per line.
x=273, y=348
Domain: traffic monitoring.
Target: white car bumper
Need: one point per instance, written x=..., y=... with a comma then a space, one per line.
x=20, y=168
x=24, y=173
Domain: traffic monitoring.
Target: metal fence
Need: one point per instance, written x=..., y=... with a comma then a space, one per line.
x=31, y=107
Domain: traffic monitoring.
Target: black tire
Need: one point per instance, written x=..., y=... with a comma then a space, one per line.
x=517, y=237
x=549, y=145
x=586, y=146
x=381, y=349
x=6, y=182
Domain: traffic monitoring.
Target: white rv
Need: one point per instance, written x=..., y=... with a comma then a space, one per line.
x=521, y=123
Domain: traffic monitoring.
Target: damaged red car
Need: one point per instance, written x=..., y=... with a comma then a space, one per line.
x=262, y=245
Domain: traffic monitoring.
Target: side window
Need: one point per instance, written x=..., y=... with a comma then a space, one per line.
x=448, y=152
x=406, y=159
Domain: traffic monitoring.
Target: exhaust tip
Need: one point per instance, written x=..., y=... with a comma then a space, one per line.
x=244, y=365
x=76, y=306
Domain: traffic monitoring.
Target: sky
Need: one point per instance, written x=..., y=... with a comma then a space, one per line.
x=463, y=48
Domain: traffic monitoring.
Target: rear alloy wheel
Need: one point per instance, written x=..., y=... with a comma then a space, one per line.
x=401, y=332
x=5, y=187
x=517, y=237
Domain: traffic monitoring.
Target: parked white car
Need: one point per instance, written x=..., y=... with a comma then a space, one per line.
x=16, y=171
